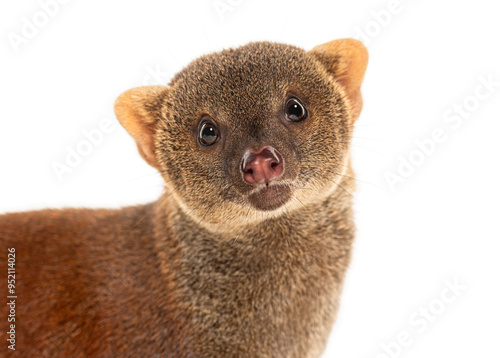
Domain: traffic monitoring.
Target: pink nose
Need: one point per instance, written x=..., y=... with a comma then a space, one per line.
x=263, y=166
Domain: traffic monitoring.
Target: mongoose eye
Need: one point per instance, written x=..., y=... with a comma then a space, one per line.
x=208, y=133
x=295, y=110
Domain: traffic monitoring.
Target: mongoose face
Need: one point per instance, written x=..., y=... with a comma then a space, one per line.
x=245, y=134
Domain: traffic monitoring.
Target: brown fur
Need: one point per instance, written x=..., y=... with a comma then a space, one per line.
x=203, y=272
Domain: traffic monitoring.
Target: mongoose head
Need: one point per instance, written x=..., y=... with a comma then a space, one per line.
x=249, y=133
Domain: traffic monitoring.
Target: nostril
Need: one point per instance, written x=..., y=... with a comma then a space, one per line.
x=263, y=166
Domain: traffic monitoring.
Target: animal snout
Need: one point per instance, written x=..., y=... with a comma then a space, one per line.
x=262, y=166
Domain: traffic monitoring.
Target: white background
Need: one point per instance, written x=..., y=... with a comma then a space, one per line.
x=426, y=59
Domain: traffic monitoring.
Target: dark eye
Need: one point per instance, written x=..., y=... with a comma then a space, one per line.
x=208, y=134
x=295, y=110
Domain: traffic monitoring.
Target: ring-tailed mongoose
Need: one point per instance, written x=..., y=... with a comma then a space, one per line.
x=243, y=255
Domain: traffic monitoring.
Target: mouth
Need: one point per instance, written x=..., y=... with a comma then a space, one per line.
x=270, y=196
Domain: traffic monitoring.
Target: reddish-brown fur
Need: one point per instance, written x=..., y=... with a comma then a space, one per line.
x=201, y=272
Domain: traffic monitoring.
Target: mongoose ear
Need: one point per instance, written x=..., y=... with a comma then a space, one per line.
x=346, y=61
x=138, y=111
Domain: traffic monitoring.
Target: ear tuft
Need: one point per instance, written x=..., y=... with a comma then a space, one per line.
x=138, y=111
x=346, y=60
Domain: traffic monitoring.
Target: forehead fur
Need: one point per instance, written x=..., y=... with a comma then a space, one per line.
x=253, y=74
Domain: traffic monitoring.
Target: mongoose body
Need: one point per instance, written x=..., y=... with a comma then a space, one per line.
x=243, y=255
